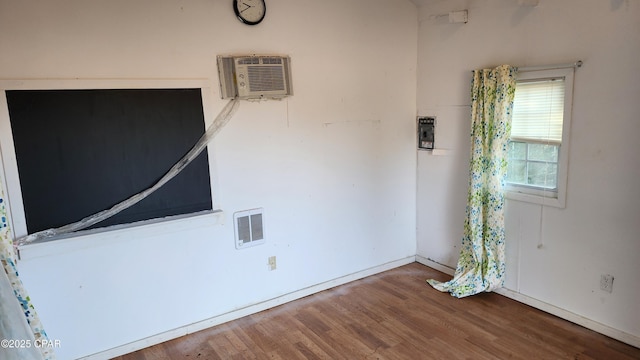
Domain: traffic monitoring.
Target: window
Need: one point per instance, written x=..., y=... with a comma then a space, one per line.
x=538, y=148
x=67, y=139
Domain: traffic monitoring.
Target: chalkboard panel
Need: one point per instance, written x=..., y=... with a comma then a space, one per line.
x=82, y=151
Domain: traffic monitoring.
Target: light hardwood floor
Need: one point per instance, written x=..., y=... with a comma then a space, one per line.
x=394, y=315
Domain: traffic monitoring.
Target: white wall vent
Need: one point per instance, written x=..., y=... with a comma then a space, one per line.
x=254, y=77
x=249, y=228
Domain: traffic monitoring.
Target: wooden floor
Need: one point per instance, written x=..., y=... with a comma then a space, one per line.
x=394, y=315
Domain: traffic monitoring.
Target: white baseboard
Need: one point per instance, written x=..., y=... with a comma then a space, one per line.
x=248, y=310
x=435, y=265
x=548, y=308
x=574, y=318
x=255, y=308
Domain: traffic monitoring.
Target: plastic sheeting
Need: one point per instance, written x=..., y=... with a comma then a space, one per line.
x=220, y=121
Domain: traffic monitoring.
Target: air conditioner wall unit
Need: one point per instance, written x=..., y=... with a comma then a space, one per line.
x=255, y=76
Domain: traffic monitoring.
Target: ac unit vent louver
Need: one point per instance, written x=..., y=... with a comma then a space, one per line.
x=271, y=60
x=248, y=60
x=265, y=78
x=254, y=77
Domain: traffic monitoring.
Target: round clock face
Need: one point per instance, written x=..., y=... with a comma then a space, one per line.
x=250, y=12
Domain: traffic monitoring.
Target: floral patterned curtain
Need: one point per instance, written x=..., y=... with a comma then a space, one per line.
x=481, y=264
x=37, y=344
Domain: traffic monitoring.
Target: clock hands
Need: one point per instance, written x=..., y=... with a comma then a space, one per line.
x=247, y=7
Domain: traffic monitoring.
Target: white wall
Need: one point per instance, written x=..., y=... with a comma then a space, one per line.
x=333, y=166
x=598, y=231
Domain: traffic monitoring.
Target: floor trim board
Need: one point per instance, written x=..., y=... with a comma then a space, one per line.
x=248, y=310
x=548, y=308
x=435, y=265
x=572, y=317
x=255, y=308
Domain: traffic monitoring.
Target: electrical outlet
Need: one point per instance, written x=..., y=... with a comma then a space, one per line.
x=606, y=282
x=272, y=263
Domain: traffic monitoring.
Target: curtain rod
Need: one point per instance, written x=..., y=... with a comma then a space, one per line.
x=576, y=64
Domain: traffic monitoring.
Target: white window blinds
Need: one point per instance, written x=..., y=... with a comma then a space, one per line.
x=538, y=110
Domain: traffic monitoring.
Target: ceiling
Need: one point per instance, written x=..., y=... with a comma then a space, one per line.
x=431, y=2
x=420, y=2
x=425, y=2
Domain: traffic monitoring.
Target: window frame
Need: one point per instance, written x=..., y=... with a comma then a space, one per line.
x=538, y=195
x=9, y=170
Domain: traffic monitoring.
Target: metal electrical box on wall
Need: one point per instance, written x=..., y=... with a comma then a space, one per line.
x=426, y=132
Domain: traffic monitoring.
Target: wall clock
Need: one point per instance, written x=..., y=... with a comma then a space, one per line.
x=250, y=12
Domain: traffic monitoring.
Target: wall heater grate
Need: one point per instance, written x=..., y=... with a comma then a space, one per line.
x=249, y=228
